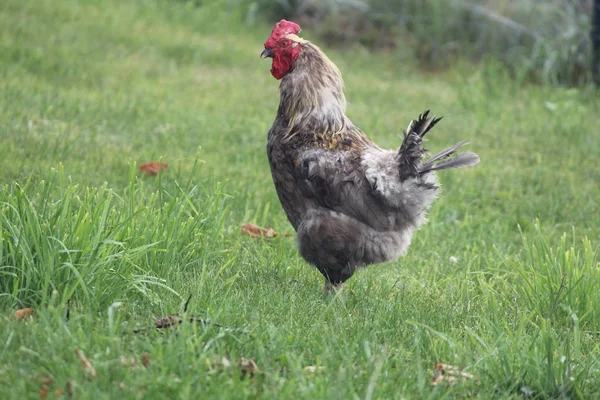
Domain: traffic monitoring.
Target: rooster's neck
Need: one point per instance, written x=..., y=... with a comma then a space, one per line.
x=312, y=95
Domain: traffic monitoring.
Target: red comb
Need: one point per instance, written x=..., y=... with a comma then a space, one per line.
x=281, y=29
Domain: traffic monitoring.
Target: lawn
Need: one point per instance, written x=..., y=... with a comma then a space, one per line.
x=502, y=282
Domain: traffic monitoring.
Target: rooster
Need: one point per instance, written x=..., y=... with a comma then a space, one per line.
x=351, y=203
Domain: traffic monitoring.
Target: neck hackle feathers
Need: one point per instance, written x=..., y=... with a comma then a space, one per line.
x=312, y=97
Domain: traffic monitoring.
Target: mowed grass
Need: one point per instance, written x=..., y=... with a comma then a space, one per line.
x=502, y=282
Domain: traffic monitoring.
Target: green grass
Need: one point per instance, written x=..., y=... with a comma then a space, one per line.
x=90, y=89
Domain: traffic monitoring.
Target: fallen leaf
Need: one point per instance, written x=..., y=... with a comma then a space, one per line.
x=45, y=382
x=145, y=360
x=248, y=367
x=24, y=313
x=58, y=392
x=176, y=319
x=44, y=392
x=153, y=168
x=257, y=231
x=449, y=375
x=167, y=322
x=312, y=368
x=87, y=365
x=70, y=388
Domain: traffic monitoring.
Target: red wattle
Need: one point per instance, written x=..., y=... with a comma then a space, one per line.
x=282, y=62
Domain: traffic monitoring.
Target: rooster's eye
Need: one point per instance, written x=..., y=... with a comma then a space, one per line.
x=284, y=43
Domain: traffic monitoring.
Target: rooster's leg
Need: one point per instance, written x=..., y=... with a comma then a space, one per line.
x=332, y=288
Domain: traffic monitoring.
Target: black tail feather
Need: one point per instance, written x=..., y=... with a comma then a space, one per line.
x=411, y=151
x=422, y=125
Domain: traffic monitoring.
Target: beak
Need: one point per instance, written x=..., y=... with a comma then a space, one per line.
x=266, y=53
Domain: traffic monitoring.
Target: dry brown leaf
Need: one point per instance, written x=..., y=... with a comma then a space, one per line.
x=312, y=368
x=248, y=367
x=258, y=231
x=70, y=388
x=58, y=392
x=44, y=392
x=145, y=360
x=24, y=313
x=167, y=322
x=176, y=319
x=449, y=375
x=45, y=382
x=87, y=365
x=153, y=168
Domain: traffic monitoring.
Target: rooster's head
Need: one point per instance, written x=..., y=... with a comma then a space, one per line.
x=283, y=46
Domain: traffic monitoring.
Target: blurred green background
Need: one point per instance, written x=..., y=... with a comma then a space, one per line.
x=542, y=41
x=501, y=282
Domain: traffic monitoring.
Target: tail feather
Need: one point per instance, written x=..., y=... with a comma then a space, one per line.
x=466, y=159
x=422, y=125
x=411, y=151
x=445, y=153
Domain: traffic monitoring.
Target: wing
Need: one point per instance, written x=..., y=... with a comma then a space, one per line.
x=335, y=180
